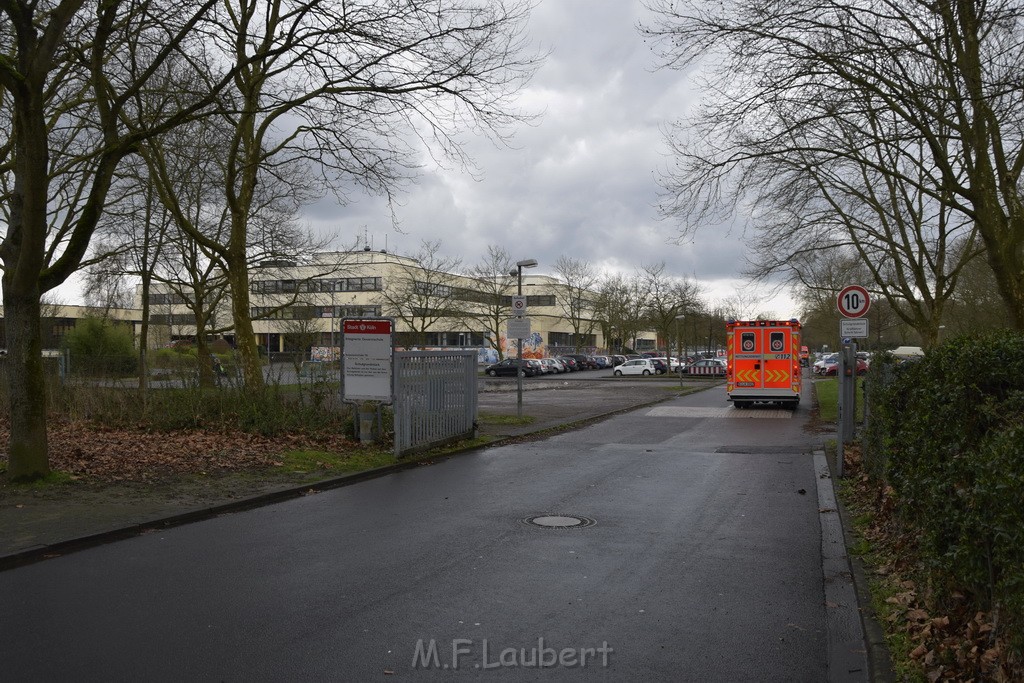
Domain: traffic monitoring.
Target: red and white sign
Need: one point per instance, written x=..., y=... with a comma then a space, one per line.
x=367, y=327
x=853, y=301
x=367, y=360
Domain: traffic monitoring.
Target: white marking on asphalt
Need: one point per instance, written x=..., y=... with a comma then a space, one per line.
x=726, y=412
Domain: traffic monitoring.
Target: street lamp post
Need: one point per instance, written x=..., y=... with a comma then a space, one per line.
x=679, y=349
x=518, y=272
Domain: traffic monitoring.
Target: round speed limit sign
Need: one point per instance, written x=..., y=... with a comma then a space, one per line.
x=853, y=301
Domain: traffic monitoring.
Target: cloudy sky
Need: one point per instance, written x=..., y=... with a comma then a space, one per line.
x=581, y=182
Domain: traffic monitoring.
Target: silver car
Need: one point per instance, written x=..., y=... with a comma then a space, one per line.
x=553, y=365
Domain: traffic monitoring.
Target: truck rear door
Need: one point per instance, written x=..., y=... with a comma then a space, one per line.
x=763, y=358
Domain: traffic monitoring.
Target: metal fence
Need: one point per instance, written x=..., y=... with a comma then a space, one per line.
x=435, y=398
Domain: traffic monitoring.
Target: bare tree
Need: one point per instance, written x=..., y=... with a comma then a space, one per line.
x=620, y=307
x=339, y=86
x=68, y=80
x=424, y=293
x=136, y=221
x=106, y=283
x=667, y=298
x=489, y=306
x=577, y=297
x=918, y=99
x=976, y=304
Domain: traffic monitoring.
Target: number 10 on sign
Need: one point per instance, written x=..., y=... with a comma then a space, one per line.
x=853, y=301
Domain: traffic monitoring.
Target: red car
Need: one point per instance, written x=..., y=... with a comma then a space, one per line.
x=833, y=368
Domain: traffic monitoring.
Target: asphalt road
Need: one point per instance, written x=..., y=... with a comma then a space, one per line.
x=703, y=563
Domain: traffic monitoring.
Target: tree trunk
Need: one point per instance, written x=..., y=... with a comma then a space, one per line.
x=1003, y=250
x=204, y=357
x=245, y=338
x=23, y=255
x=28, y=450
x=144, y=339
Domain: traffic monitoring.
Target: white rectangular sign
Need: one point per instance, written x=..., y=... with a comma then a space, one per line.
x=855, y=328
x=518, y=328
x=367, y=360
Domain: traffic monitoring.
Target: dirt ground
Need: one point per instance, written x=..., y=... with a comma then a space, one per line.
x=117, y=483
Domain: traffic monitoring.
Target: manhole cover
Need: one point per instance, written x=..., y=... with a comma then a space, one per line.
x=560, y=521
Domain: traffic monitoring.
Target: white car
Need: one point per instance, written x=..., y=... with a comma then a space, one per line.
x=636, y=366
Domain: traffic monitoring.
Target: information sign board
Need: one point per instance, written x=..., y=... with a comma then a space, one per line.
x=367, y=359
x=854, y=328
x=518, y=328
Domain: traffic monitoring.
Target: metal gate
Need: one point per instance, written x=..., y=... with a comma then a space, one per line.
x=435, y=398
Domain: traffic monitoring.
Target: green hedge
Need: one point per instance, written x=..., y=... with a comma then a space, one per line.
x=951, y=428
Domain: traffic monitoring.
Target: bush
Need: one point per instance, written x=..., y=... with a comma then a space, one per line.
x=952, y=428
x=98, y=346
x=272, y=412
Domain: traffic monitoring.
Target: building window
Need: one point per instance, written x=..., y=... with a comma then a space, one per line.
x=533, y=300
x=442, y=339
x=316, y=286
x=569, y=339
x=174, y=319
x=166, y=299
x=287, y=313
x=346, y=311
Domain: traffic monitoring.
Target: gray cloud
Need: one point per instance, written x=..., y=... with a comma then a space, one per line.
x=582, y=181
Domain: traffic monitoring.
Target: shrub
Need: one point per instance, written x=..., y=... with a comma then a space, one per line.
x=98, y=346
x=951, y=425
x=272, y=412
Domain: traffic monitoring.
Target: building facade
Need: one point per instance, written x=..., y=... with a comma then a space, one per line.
x=299, y=308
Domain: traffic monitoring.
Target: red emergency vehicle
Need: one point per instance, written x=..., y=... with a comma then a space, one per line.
x=763, y=362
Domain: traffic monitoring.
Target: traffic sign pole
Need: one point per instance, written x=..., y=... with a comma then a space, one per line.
x=853, y=302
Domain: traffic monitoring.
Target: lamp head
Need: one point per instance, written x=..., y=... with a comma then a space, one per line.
x=528, y=263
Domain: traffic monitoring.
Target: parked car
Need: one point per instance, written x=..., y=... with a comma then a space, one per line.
x=582, y=360
x=831, y=369
x=510, y=366
x=618, y=360
x=603, y=362
x=636, y=366
x=554, y=365
x=570, y=363
x=819, y=365
x=706, y=366
x=676, y=364
x=660, y=365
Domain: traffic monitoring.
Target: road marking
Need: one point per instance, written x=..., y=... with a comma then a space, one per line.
x=726, y=412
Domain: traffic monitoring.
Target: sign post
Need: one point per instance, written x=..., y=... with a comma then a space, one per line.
x=853, y=303
x=366, y=367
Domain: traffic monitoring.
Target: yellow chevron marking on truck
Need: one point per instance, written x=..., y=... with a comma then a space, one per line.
x=746, y=375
